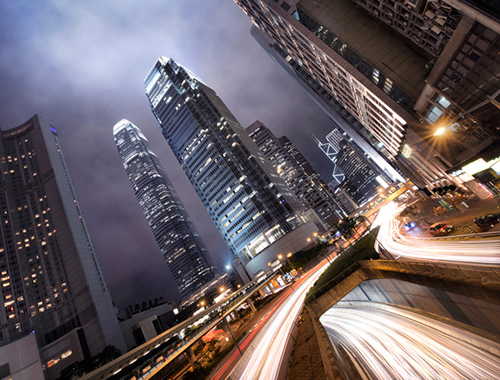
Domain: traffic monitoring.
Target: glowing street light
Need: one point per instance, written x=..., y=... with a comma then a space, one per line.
x=440, y=131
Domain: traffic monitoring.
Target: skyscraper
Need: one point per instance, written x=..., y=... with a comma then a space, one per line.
x=361, y=180
x=297, y=173
x=248, y=202
x=389, y=86
x=57, y=307
x=177, y=238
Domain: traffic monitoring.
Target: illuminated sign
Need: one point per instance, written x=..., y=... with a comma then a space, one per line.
x=480, y=164
x=406, y=152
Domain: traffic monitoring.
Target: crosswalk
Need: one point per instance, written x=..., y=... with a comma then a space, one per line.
x=461, y=230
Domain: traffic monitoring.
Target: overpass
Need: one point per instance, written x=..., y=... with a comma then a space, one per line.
x=462, y=297
x=158, y=346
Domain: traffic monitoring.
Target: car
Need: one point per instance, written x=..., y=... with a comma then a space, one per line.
x=487, y=221
x=409, y=226
x=440, y=229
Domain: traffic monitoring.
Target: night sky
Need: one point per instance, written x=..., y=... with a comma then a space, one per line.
x=80, y=65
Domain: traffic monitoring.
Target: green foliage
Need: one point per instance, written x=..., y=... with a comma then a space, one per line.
x=302, y=258
x=362, y=250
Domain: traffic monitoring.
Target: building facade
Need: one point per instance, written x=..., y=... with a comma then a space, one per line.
x=297, y=173
x=248, y=202
x=179, y=242
x=406, y=70
x=360, y=179
x=57, y=307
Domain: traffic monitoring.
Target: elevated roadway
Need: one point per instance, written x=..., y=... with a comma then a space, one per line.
x=214, y=314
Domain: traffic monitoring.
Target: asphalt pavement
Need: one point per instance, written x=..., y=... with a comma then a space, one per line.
x=461, y=217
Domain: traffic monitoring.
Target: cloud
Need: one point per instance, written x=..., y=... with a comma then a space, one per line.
x=81, y=65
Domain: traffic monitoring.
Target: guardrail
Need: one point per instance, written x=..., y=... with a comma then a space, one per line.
x=473, y=273
x=158, y=344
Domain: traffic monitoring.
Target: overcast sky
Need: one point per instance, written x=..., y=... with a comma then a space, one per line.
x=80, y=65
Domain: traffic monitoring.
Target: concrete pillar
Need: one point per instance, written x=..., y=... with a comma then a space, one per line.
x=270, y=287
x=190, y=356
x=252, y=306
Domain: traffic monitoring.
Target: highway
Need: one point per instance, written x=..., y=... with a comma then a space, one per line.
x=263, y=359
x=392, y=343
x=403, y=246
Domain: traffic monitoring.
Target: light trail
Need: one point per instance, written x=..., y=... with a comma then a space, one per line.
x=266, y=359
x=404, y=345
x=478, y=251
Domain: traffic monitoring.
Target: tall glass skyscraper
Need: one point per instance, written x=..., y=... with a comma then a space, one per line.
x=179, y=242
x=297, y=173
x=250, y=205
x=57, y=307
x=387, y=72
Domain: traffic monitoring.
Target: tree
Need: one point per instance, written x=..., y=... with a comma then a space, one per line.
x=347, y=227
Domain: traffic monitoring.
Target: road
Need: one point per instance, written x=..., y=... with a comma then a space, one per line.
x=226, y=367
x=266, y=344
x=403, y=246
x=399, y=344
x=267, y=358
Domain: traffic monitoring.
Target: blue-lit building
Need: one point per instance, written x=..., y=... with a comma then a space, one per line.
x=250, y=205
x=177, y=238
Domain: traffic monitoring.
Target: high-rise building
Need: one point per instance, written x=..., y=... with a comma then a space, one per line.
x=297, y=173
x=390, y=73
x=255, y=212
x=177, y=238
x=57, y=307
x=361, y=180
x=363, y=185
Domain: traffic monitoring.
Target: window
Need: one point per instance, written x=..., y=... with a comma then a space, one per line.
x=285, y=6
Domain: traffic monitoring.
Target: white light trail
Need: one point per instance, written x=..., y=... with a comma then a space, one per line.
x=404, y=345
x=480, y=251
x=265, y=362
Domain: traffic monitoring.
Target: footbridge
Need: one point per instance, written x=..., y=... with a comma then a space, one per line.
x=160, y=351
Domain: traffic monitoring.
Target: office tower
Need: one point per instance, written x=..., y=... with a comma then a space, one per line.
x=297, y=173
x=177, y=238
x=57, y=307
x=248, y=202
x=360, y=181
x=345, y=199
x=390, y=73
x=363, y=185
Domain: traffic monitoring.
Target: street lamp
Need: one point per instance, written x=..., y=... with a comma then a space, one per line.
x=440, y=131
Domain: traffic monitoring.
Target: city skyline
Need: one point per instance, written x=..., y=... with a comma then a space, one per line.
x=82, y=97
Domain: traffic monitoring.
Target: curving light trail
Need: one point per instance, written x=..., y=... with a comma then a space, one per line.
x=405, y=345
x=478, y=251
x=266, y=359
